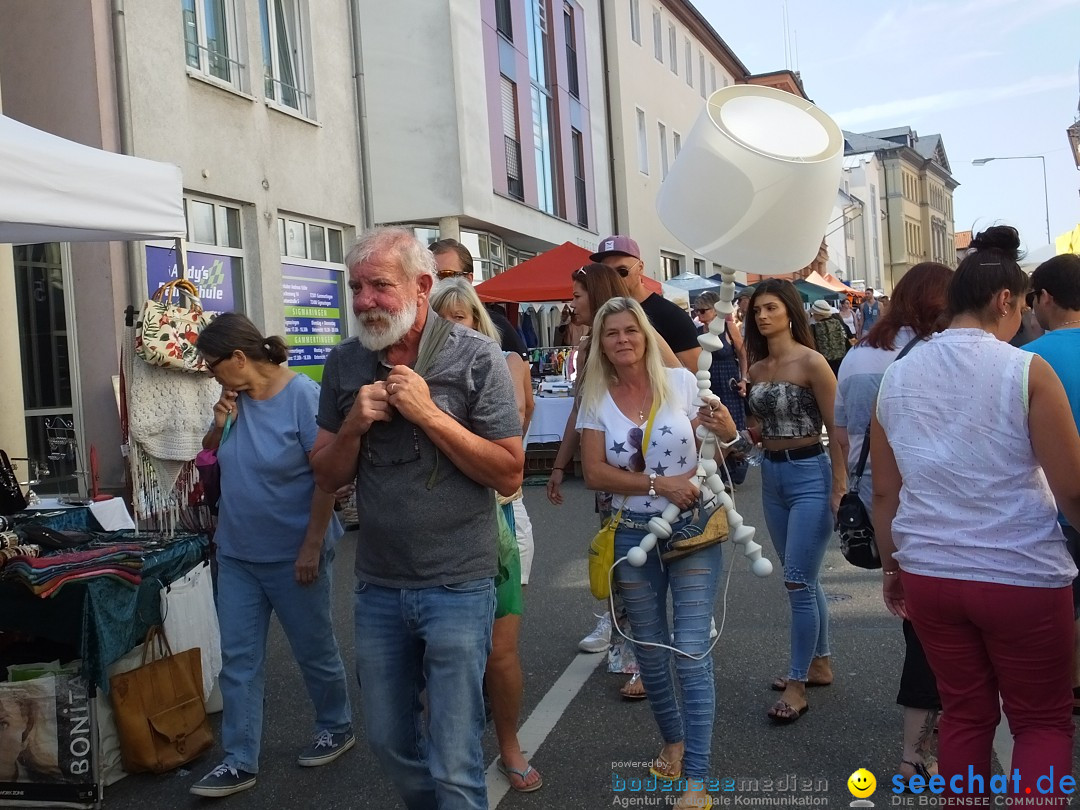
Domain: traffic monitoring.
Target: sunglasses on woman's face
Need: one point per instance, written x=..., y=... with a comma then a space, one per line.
x=702, y=311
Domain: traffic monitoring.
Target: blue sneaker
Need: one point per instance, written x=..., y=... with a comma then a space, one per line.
x=325, y=748
x=224, y=780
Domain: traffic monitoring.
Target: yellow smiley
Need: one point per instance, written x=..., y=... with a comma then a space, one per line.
x=861, y=783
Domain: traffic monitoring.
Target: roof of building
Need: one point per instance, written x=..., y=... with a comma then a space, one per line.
x=787, y=80
x=962, y=240
x=932, y=148
x=856, y=143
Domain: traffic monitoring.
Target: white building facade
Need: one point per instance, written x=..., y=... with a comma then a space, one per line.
x=664, y=60
x=862, y=180
x=256, y=101
x=485, y=122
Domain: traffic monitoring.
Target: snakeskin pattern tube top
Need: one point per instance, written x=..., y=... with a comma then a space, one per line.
x=784, y=410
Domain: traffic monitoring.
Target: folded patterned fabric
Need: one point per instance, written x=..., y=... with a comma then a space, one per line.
x=45, y=575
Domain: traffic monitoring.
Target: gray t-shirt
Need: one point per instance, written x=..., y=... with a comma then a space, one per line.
x=423, y=522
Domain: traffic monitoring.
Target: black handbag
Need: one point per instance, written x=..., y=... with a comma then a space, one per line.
x=853, y=523
x=12, y=499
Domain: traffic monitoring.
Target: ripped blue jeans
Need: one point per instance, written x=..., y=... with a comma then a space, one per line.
x=693, y=583
x=795, y=497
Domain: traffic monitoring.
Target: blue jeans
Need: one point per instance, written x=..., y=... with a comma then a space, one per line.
x=795, y=496
x=434, y=638
x=247, y=594
x=693, y=582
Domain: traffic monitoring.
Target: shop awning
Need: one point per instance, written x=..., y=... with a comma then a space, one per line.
x=812, y=292
x=542, y=278
x=56, y=190
x=828, y=281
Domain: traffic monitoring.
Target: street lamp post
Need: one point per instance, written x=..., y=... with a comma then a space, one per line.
x=1046, y=196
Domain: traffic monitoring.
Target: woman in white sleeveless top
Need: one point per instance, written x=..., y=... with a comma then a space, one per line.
x=972, y=441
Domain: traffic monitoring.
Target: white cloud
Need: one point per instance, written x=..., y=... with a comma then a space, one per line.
x=901, y=109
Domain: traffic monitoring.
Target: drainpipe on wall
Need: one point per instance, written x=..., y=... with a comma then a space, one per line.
x=610, y=118
x=123, y=115
x=361, y=114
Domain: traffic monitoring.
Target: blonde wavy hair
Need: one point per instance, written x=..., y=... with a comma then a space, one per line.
x=600, y=373
x=452, y=292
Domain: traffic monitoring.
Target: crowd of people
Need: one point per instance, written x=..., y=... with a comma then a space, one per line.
x=973, y=482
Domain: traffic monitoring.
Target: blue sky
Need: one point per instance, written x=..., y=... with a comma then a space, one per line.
x=992, y=77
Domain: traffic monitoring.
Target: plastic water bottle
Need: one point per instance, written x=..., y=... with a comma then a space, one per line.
x=755, y=454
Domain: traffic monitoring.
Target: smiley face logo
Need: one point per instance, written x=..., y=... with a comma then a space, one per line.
x=861, y=783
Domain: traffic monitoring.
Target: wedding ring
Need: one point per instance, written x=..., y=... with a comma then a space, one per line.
x=392, y=387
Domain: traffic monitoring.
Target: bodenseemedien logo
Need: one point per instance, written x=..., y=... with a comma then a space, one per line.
x=862, y=785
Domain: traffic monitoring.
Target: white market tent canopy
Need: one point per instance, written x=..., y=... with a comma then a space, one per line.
x=55, y=190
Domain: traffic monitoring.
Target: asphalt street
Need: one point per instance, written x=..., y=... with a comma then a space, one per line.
x=585, y=739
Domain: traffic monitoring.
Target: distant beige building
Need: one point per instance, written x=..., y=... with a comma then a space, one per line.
x=916, y=191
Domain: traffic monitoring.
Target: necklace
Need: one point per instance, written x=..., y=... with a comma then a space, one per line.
x=641, y=410
x=1067, y=323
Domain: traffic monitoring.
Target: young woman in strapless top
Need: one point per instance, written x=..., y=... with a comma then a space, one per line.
x=791, y=393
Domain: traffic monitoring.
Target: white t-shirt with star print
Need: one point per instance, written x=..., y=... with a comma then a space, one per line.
x=672, y=449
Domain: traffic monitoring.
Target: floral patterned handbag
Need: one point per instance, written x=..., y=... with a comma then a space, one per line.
x=168, y=329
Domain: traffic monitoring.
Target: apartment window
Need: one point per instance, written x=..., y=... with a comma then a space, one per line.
x=286, y=76
x=663, y=151
x=851, y=267
x=670, y=264
x=642, y=143
x=577, y=143
x=657, y=35
x=503, y=19
x=215, y=257
x=673, y=52
x=571, y=52
x=213, y=224
x=511, y=143
x=701, y=73
x=689, y=62
x=712, y=78
x=635, y=21
x=543, y=135
x=699, y=267
x=676, y=142
x=210, y=39
x=298, y=239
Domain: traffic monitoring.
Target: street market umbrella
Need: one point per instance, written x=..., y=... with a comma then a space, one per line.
x=56, y=190
x=545, y=277
x=812, y=292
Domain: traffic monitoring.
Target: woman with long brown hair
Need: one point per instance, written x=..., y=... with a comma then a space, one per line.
x=790, y=399
x=917, y=311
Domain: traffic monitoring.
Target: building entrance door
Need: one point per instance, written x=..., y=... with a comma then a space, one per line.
x=57, y=461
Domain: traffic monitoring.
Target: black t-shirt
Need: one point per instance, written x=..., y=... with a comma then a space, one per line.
x=509, y=338
x=671, y=323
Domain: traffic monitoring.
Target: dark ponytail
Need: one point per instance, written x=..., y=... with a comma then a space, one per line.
x=990, y=267
x=231, y=331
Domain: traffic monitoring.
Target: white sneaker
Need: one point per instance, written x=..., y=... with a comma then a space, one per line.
x=599, y=639
x=712, y=628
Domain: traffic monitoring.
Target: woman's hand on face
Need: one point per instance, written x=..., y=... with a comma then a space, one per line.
x=892, y=589
x=681, y=491
x=225, y=405
x=554, y=487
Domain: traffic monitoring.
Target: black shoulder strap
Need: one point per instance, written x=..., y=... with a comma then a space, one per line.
x=865, y=452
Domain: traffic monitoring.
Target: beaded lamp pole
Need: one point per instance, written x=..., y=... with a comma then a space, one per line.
x=707, y=476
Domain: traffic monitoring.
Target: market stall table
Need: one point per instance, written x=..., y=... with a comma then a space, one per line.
x=101, y=617
x=549, y=419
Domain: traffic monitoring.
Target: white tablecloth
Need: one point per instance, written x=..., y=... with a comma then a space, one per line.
x=549, y=419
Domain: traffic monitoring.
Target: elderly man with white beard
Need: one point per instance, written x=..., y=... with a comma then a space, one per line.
x=421, y=413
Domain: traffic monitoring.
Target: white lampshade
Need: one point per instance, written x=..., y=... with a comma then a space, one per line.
x=754, y=184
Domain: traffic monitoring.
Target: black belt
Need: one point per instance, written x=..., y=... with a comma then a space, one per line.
x=796, y=453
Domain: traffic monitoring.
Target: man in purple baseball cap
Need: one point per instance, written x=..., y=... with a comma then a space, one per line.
x=622, y=254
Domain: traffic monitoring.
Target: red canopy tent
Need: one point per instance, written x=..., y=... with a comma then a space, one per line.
x=542, y=278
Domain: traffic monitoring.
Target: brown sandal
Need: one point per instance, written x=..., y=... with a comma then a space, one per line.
x=780, y=684
x=784, y=713
x=633, y=689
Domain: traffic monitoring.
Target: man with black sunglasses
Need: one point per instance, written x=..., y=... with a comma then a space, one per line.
x=622, y=254
x=453, y=260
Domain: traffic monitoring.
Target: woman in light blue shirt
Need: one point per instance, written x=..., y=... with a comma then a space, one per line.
x=275, y=546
